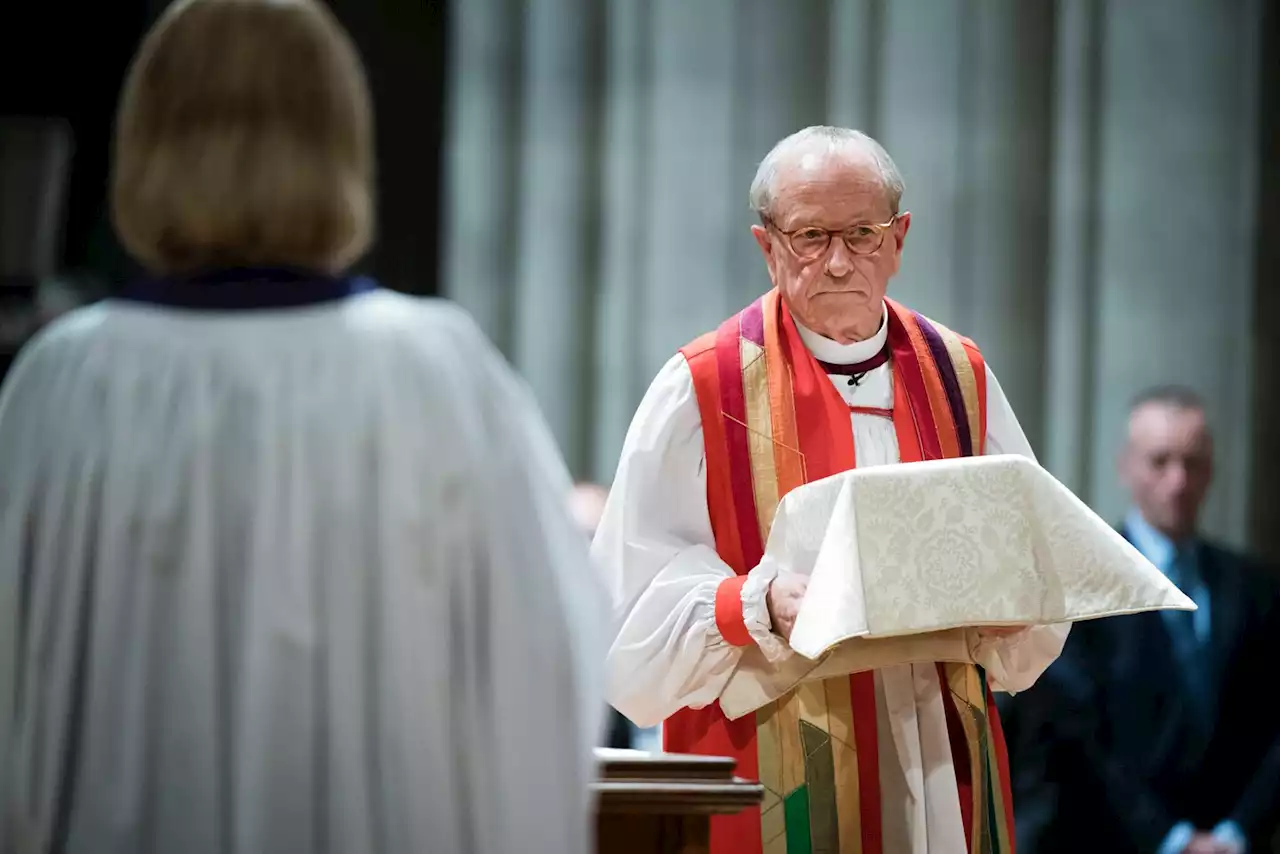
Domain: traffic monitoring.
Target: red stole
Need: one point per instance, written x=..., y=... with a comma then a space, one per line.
x=772, y=421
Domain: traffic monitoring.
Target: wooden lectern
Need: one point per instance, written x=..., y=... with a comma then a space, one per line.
x=662, y=803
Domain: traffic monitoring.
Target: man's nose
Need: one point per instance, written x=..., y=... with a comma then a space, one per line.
x=839, y=258
x=1176, y=478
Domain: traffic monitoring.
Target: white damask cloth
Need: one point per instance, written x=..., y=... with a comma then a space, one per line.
x=982, y=541
x=904, y=560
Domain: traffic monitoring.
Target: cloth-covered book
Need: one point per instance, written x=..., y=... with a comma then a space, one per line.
x=905, y=560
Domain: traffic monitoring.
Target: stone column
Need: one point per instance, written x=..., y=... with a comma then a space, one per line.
x=626, y=167
x=480, y=175
x=965, y=109
x=1002, y=208
x=555, y=238
x=1071, y=367
x=1175, y=250
x=919, y=121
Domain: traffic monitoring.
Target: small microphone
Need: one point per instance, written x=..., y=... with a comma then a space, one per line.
x=854, y=379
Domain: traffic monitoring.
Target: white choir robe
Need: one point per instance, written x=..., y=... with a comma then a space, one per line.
x=288, y=582
x=656, y=547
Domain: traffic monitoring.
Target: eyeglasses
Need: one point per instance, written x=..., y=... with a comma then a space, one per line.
x=810, y=242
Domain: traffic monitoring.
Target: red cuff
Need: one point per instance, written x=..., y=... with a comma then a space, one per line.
x=729, y=612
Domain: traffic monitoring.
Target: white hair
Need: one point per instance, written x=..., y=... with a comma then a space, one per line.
x=833, y=139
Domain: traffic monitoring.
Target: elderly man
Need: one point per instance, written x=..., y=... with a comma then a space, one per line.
x=1187, y=757
x=821, y=374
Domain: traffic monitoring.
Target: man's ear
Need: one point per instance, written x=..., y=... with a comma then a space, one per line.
x=761, y=234
x=766, y=243
x=900, y=228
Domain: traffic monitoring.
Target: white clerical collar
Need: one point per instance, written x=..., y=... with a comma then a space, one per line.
x=826, y=350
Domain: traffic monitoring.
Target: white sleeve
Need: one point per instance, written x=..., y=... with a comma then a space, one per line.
x=1015, y=662
x=656, y=550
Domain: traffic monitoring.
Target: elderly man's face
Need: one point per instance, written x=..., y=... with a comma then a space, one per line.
x=1168, y=465
x=838, y=294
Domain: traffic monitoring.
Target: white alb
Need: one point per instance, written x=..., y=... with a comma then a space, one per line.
x=656, y=548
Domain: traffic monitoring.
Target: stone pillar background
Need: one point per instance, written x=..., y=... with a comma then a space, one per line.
x=1082, y=175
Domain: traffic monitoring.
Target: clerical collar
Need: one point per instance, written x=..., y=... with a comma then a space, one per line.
x=246, y=288
x=873, y=351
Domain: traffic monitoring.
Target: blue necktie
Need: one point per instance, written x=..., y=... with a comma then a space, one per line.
x=1189, y=632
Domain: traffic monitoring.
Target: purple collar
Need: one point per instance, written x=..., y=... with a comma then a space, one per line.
x=246, y=289
x=858, y=368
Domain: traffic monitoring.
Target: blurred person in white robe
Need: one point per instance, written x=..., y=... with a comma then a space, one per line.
x=286, y=560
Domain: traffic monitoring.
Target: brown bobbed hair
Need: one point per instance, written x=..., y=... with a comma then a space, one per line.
x=244, y=138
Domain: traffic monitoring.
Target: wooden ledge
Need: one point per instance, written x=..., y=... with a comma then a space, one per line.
x=632, y=781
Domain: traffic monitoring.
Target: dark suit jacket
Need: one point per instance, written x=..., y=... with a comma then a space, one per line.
x=1102, y=752
x=618, y=732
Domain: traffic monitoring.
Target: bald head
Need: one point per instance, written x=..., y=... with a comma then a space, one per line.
x=811, y=153
x=1167, y=462
x=587, y=505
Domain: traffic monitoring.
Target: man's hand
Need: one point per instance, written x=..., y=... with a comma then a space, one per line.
x=783, y=599
x=999, y=631
x=1207, y=843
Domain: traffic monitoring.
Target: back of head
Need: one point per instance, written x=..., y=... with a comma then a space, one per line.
x=244, y=138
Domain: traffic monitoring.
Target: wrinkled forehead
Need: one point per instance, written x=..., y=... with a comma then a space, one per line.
x=1163, y=428
x=823, y=187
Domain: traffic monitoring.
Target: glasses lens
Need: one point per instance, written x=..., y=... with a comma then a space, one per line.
x=810, y=242
x=863, y=240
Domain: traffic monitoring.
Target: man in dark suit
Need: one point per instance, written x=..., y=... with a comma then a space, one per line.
x=1154, y=733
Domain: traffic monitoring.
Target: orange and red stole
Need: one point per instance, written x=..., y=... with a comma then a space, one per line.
x=772, y=421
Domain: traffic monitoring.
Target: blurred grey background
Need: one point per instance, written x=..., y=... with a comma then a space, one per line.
x=1094, y=183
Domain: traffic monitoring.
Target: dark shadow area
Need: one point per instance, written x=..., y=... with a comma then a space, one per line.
x=1265, y=522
